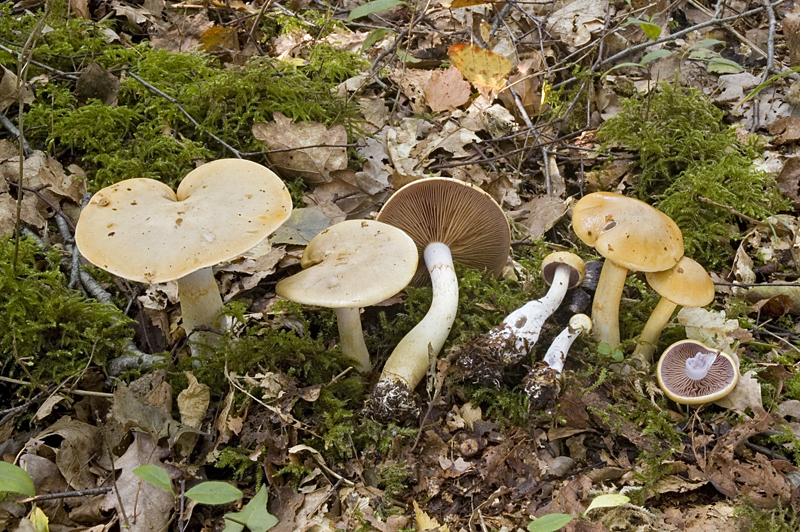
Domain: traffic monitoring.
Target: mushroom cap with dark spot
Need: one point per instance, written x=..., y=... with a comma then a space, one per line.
x=628, y=232
x=455, y=213
x=355, y=263
x=671, y=373
x=141, y=230
x=686, y=284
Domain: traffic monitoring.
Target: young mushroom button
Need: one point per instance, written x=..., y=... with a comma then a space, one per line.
x=630, y=234
x=686, y=284
x=447, y=219
x=483, y=358
x=353, y=264
x=141, y=230
x=691, y=373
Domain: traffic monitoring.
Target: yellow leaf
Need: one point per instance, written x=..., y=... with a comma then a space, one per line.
x=425, y=522
x=484, y=69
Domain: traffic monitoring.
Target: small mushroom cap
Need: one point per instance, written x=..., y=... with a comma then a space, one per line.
x=628, y=232
x=455, y=213
x=141, y=230
x=686, y=284
x=671, y=373
x=355, y=263
x=580, y=323
x=576, y=265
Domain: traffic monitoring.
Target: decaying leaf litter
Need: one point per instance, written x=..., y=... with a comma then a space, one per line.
x=519, y=99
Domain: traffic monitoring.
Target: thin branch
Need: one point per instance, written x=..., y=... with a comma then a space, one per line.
x=11, y=128
x=66, y=494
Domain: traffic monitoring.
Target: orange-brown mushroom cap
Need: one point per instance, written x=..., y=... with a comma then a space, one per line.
x=141, y=230
x=455, y=213
x=686, y=284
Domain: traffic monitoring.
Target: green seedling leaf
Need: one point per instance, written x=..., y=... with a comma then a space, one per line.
x=706, y=43
x=607, y=501
x=655, y=54
x=720, y=65
x=213, y=492
x=378, y=6
x=254, y=515
x=653, y=31
x=154, y=475
x=373, y=37
x=406, y=57
x=771, y=80
x=550, y=523
x=14, y=479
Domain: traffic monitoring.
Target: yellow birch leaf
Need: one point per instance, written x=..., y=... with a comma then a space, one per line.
x=425, y=522
x=484, y=69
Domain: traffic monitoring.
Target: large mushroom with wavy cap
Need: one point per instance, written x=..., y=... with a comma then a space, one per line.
x=352, y=264
x=631, y=235
x=686, y=284
x=141, y=230
x=447, y=219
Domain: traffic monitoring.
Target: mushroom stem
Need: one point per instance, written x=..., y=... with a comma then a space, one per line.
x=410, y=360
x=646, y=345
x=557, y=352
x=352, y=337
x=201, y=306
x=605, y=308
x=697, y=366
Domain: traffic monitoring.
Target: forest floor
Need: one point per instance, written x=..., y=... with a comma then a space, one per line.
x=689, y=106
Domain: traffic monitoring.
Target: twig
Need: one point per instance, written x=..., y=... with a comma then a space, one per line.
x=65, y=495
x=770, y=62
x=18, y=55
x=729, y=209
x=49, y=203
x=185, y=113
x=11, y=128
x=437, y=393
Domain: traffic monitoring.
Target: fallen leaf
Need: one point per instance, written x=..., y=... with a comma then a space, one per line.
x=303, y=225
x=786, y=130
x=193, y=402
x=484, y=69
x=9, y=94
x=446, y=90
x=313, y=164
x=789, y=179
x=98, y=83
x=574, y=23
x=746, y=394
x=254, y=515
x=426, y=522
x=540, y=214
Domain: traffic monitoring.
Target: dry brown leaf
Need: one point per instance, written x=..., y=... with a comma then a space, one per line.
x=98, y=83
x=193, y=402
x=527, y=83
x=80, y=8
x=746, y=394
x=789, y=179
x=8, y=213
x=575, y=22
x=181, y=33
x=446, y=90
x=9, y=95
x=786, y=130
x=540, y=214
x=315, y=165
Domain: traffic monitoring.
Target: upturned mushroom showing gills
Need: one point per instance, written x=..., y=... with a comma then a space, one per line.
x=353, y=264
x=630, y=234
x=543, y=383
x=691, y=373
x=141, y=230
x=483, y=358
x=447, y=219
x=686, y=284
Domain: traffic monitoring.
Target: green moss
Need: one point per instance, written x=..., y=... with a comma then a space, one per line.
x=773, y=520
x=49, y=332
x=686, y=152
x=394, y=479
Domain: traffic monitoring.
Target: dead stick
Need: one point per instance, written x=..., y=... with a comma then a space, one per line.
x=729, y=209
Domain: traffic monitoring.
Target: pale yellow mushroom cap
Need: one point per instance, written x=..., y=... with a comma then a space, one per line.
x=141, y=230
x=355, y=263
x=576, y=266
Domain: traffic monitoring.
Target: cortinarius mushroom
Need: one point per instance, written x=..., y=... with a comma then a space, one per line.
x=543, y=381
x=691, y=373
x=141, y=230
x=483, y=358
x=352, y=264
x=448, y=219
x=686, y=284
x=630, y=234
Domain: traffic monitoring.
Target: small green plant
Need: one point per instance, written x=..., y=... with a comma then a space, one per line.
x=210, y=492
x=553, y=522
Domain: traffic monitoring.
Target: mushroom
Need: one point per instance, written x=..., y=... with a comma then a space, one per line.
x=141, y=230
x=542, y=383
x=686, y=284
x=353, y=264
x=448, y=219
x=483, y=358
x=630, y=234
x=691, y=373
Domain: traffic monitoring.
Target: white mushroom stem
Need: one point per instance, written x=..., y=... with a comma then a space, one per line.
x=409, y=361
x=201, y=306
x=605, y=308
x=351, y=337
x=525, y=323
x=697, y=366
x=652, y=330
x=557, y=352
